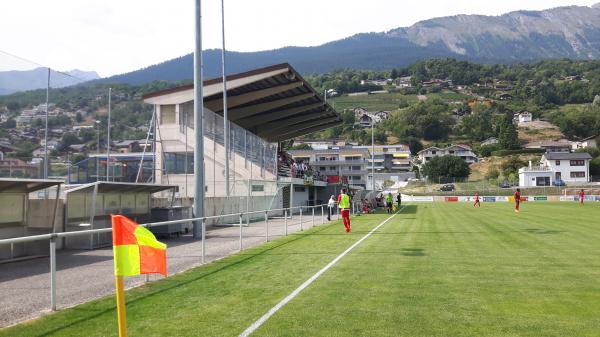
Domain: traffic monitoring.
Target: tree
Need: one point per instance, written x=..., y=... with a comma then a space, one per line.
x=512, y=166
x=10, y=124
x=394, y=74
x=301, y=147
x=595, y=167
x=508, y=137
x=414, y=145
x=78, y=117
x=492, y=173
x=69, y=139
x=446, y=167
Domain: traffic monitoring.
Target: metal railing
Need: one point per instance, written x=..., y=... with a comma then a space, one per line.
x=286, y=212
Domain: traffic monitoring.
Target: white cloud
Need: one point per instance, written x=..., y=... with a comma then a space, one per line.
x=115, y=36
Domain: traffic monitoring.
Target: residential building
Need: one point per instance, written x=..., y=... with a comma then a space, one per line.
x=364, y=118
x=490, y=141
x=584, y=143
x=523, y=117
x=338, y=164
x=535, y=176
x=322, y=144
x=404, y=82
x=463, y=151
x=389, y=158
x=550, y=145
x=16, y=168
x=569, y=167
x=128, y=146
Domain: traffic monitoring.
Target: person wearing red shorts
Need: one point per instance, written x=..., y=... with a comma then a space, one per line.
x=477, y=203
x=581, y=196
x=517, y=199
x=344, y=206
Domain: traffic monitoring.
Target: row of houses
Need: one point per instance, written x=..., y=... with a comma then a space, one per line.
x=355, y=163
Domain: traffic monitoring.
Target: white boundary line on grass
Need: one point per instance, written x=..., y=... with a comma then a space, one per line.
x=303, y=286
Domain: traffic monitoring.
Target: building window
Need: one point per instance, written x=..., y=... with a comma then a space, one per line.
x=542, y=181
x=167, y=114
x=322, y=168
x=578, y=174
x=332, y=168
x=433, y=152
x=258, y=188
x=299, y=189
x=557, y=163
x=577, y=162
x=186, y=114
x=175, y=163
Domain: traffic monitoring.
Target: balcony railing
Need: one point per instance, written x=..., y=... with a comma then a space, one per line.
x=535, y=169
x=337, y=162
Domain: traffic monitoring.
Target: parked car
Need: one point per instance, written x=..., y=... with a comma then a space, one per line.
x=447, y=188
x=505, y=184
x=559, y=182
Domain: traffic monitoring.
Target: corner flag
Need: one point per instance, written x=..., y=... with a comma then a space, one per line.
x=136, y=251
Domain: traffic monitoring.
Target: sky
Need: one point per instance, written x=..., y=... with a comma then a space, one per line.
x=117, y=36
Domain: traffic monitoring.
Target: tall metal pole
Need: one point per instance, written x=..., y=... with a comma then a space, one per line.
x=225, y=117
x=198, y=121
x=154, y=145
x=46, y=130
x=98, y=150
x=373, y=152
x=108, y=137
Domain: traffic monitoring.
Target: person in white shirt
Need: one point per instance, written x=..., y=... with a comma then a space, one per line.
x=330, y=207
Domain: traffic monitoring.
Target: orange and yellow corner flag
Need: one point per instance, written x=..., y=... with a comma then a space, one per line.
x=136, y=250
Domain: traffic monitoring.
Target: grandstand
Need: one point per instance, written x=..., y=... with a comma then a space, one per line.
x=265, y=106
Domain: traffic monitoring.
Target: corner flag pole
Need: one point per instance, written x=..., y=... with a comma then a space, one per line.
x=121, y=314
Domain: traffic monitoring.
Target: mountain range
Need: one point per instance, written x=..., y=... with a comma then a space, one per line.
x=521, y=36
x=21, y=80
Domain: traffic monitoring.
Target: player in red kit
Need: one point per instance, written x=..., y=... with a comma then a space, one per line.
x=517, y=200
x=477, y=203
x=581, y=196
x=344, y=206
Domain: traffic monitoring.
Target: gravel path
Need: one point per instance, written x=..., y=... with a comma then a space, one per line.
x=86, y=275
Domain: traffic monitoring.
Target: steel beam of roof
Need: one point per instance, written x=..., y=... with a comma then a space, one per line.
x=283, y=124
x=253, y=121
x=304, y=131
x=234, y=101
x=239, y=113
x=299, y=126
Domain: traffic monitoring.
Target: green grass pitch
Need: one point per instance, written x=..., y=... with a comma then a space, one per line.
x=434, y=270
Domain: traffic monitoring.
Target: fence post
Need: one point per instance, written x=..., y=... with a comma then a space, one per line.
x=313, y=216
x=322, y=215
x=241, y=226
x=285, y=217
x=53, y=273
x=203, y=240
x=301, y=227
x=267, y=226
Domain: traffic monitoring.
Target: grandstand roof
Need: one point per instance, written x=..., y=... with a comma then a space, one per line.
x=274, y=102
x=12, y=185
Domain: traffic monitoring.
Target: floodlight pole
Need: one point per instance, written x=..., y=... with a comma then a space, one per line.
x=198, y=122
x=46, y=129
x=97, y=122
x=108, y=137
x=225, y=117
x=373, y=153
